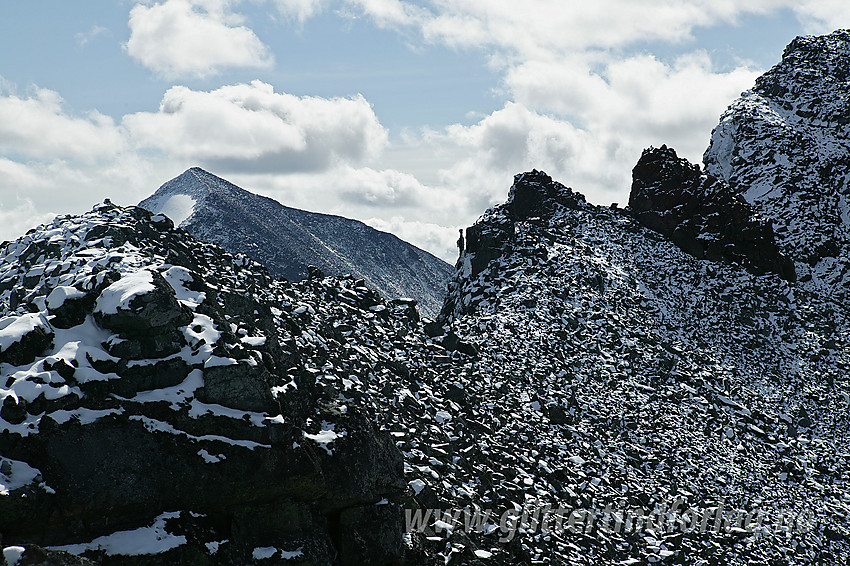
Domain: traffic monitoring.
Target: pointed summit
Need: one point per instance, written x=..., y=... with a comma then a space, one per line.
x=288, y=240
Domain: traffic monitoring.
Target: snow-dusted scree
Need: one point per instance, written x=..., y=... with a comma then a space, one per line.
x=165, y=402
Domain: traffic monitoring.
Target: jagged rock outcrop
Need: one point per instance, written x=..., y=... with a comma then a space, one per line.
x=168, y=417
x=785, y=146
x=584, y=362
x=701, y=214
x=288, y=240
x=533, y=195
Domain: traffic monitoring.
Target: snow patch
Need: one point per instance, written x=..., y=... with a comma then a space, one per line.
x=154, y=539
x=62, y=293
x=15, y=474
x=177, y=276
x=122, y=292
x=13, y=554
x=14, y=328
x=177, y=207
x=263, y=552
x=325, y=436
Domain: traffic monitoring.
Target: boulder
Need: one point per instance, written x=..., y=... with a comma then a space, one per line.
x=23, y=338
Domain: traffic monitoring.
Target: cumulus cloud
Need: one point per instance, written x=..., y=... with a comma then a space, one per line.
x=19, y=215
x=582, y=103
x=587, y=128
x=546, y=27
x=195, y=38
x=434, y=238
x=641, y=99
x=252, y=127
x=823, y=16
x=39, y=126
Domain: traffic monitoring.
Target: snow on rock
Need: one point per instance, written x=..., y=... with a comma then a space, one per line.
x=180, y=279
x=22, y=337
x=12, y=554
x=263, y=552
x=178, y=208
x=120, y=294
x=784, y=145
x=153, y=539
x=325, y=436
x=15, y=474
x=62, y=293
x=163, y=360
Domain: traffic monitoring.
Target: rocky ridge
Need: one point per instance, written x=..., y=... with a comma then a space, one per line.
x=785, y=147
x=582, y=361
x=702, y=215
x=160, y=405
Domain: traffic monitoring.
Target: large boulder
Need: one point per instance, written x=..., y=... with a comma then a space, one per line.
x=22, y=338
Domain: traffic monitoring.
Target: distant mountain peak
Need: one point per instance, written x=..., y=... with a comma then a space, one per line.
x=288, y=240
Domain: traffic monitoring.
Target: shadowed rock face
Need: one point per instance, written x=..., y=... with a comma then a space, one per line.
x=701, y=214
x=534, y=195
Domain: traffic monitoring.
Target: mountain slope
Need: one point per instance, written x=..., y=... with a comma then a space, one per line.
x=785, y=146
x=287, y=240
x=586, y=363
x=616, y=369
x=655, y=375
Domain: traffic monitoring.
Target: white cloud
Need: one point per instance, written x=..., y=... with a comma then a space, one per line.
x=250, y=127
x=515, y=139
x=434, y=238
x=637, y=99
x=587, y=128
x=38, y=126
x=300, y=10
x=546, y=28
x=193, y=38
x=19, y=215
x=580, y=106
x=823, y=16
x=86, y=36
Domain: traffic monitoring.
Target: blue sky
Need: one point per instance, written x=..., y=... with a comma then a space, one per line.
x=411, y=116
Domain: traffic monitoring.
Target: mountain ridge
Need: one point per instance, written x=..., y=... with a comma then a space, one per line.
x=288, y=240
